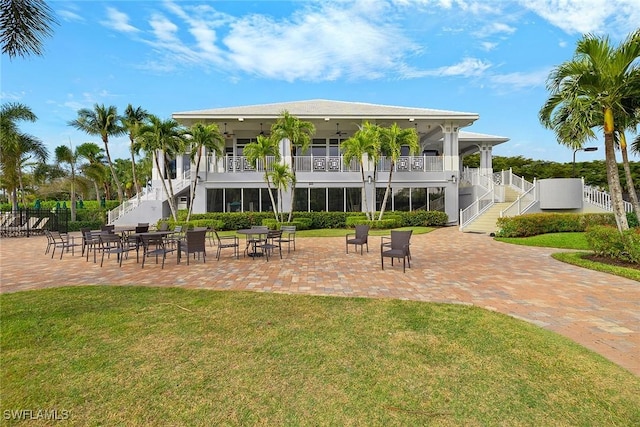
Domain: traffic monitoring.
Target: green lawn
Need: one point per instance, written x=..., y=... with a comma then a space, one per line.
x=575, y=241
x=154, y=356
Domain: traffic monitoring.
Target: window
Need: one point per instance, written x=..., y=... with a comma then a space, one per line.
x=335, y=200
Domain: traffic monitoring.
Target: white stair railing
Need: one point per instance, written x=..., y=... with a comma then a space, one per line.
x=523, y=202
x=148, y=193
x=601, y=199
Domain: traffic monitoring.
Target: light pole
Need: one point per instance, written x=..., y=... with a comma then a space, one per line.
x=573, y=175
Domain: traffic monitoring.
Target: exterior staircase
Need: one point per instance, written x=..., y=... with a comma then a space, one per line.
x=486, y=222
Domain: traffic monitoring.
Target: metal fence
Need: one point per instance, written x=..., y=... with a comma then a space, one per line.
x=26, y=222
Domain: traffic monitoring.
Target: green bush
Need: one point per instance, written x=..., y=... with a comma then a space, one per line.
x=607, y=241
x=540, y=223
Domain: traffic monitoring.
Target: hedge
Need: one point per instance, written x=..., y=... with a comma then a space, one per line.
x=540, y=223
x=608, y=242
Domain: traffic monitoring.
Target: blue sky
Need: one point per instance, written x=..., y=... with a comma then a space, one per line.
x=486, y=57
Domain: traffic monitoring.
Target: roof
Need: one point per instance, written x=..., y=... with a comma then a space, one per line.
x=480, y=137
x=322, y=108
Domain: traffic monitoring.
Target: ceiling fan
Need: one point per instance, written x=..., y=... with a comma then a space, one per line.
x=340, y=134
x=262, y=132
x=227, y=134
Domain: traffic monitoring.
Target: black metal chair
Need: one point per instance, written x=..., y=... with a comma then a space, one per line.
x=270, y=243
x=396, y=246
x=154, y=246
x=227, y=242
x=62, y=241
x=113, y=244
x=288, y=236
x=359, y=238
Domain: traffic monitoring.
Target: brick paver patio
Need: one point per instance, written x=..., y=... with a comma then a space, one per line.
x=597, y=310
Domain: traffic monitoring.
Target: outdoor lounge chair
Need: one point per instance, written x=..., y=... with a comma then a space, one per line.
x=194, y=243
x=396, y=246
x=359, y=238
x=227, y=242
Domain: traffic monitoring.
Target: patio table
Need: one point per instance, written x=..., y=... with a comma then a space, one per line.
x=248, y=232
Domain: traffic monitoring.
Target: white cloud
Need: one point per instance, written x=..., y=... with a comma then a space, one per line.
x=118, y=21
x=520, y=80
x=68, y=15
x=495, y=28
x=488, y=46
x=588, y=16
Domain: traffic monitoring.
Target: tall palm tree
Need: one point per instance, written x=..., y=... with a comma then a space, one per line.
x=298, y=133
x=282, y=178
x=133, y=119
x=163, y=138
x=586, y=92
x=23, y=26
x=64, y=154
x=95, y=170
x=201, y=136
x=17, y=147
x=104, y=122
x=362, y=143
x=628, y=120
x=392, y=139
x=260, y=150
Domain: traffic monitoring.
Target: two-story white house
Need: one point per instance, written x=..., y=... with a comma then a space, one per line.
x=428, y=180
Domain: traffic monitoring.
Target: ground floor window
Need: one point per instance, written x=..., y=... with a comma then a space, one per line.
x=347, y=199
x=240, y=200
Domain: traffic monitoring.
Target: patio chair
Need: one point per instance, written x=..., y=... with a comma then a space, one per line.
x=288, y=236
x=396, y=246
x=270, y=243
x=359, y=238
x=90, y=242
x=178, y=235
x=227, y=242
x=194, y=243
x=155, y=246
x=113, y=244
x=62, y=241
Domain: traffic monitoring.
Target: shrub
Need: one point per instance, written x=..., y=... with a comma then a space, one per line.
x=540, y=223
x=607, y=241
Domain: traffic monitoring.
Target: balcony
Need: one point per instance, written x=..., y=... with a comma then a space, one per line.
x=326, y=164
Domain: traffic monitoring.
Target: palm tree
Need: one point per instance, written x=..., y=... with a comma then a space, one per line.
x=282, y=177
x=362, y=143
x=163, y=138
x=202, y=136
x=132, y=120
x=298, y=133
x=95, y=170
x=17, y=147
x=64, y=154
x=23, y=25
x=586, y=92
x=261, y=150
x=392, y=139
x=104, y=122
x=629, y=119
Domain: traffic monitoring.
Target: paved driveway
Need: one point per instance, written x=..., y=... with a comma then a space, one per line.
x=597, y=310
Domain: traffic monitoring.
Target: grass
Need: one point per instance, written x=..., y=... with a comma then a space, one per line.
x=167, y=356
x=575, y=241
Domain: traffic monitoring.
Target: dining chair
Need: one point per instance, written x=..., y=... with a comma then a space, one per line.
x=227, y=242
x=359, y=238
x=396, y=246
x=194, y=243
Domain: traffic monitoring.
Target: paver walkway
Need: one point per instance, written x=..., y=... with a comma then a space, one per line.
x=597, y=310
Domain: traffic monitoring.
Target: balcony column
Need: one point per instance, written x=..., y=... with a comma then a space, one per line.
x=451, y=163
x=486, y=162
x=450, y=153
x=287, y=159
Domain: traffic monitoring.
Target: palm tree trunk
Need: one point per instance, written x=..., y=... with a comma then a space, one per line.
x=95, y=185
x=364, y=192
x=630, y=185
x=387, y=191
x=615, y=189
x=273, y=202
x=73, y=192
x=194, y=184
x=133, y=171
x=293, y=183
x=113, y=170
x=164, y=187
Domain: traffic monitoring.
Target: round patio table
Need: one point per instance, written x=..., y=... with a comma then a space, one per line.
x=261, y=234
